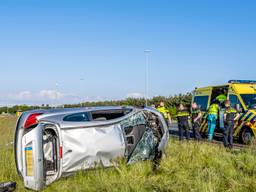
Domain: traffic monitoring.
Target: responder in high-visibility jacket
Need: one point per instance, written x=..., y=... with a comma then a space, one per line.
x=165, y=112
x=212, y=116
x=183, y=117
x=221, y=98
x=230, y=116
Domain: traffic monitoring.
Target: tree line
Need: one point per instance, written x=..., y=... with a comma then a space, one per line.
x=172, y=103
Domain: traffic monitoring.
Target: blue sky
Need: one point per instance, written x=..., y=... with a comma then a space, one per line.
x=93, y=49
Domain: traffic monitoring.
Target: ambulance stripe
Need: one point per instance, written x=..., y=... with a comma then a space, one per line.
x=241, y=117
x=205, y=126
x=236, y=125
x=248, y=116
x=202, y=126
x=244, y=117
x=252, y=116
x=253, y=119
x=238, y=129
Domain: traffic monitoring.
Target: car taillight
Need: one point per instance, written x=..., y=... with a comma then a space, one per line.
x=31, y=120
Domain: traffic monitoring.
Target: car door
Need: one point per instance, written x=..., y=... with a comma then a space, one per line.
x=32, y=156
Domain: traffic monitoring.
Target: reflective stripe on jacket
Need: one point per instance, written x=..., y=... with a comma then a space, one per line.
x=231, y=114
x=182, y=113
x=182, y=116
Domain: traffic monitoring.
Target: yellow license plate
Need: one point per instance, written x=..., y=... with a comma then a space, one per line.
x=29, y=161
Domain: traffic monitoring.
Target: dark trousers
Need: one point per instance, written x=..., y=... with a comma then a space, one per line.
x=196, y=127
x=228, y=134
x=183, y=127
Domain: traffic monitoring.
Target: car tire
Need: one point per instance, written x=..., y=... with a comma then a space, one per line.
x=247, y=136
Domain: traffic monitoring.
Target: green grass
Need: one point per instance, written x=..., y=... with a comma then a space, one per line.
x=187, y=166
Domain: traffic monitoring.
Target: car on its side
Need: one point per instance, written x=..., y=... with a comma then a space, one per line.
x=50, y=144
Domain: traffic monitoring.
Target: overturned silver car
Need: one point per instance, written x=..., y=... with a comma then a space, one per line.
x=50, y=144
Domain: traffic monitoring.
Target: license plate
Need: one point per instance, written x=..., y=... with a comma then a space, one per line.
x=29, y=161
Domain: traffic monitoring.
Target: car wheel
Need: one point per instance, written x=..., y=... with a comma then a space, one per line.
x=247, y=136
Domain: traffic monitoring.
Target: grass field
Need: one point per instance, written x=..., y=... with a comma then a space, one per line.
x=188, y=166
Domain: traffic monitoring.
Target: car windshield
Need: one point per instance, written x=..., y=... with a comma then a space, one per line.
x=249, y=100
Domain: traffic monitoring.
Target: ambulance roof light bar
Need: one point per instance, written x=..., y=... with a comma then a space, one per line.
x=242, y=81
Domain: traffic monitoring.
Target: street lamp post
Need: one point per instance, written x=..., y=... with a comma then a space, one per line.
x=81, y=87
x=56, y=93
x=147, y=52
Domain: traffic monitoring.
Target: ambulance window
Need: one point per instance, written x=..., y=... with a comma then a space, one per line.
x=249, y=100
x=234, y=101
x=202, y=102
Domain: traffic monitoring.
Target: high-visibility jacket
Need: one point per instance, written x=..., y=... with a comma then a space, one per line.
x=213, y=109
x=164, y=111
x=182, y=116
x=231, y=113
x=221, y=98
x=182, y=113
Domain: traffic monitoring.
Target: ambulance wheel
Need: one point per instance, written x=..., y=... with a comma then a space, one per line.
x=247, y=136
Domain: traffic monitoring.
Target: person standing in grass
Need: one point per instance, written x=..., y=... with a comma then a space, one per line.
x=183, y=125
x=165, y=112
x=196, y=115
x=212, y=116
x=230, y=116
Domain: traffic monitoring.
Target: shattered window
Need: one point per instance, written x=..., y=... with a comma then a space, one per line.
x=137, y=119
x=145, y=150
x=140, y=138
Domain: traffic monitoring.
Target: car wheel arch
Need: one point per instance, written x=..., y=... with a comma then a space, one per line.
x=246, y=135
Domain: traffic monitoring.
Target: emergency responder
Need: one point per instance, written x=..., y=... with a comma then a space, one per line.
x=222, y=97
x=183, y=117
x=230, y=116
x=212, y=116
x=165, y=112
x=196, y=115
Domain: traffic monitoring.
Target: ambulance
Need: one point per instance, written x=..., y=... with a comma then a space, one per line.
x=242, y=95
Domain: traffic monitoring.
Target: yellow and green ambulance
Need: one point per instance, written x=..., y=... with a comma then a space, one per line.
x=242, y=94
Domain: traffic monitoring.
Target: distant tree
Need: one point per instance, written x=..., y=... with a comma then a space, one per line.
x=171, y=102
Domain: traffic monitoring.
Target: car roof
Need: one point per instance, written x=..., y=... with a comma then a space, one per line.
x=78, y=109
x=60, y=111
